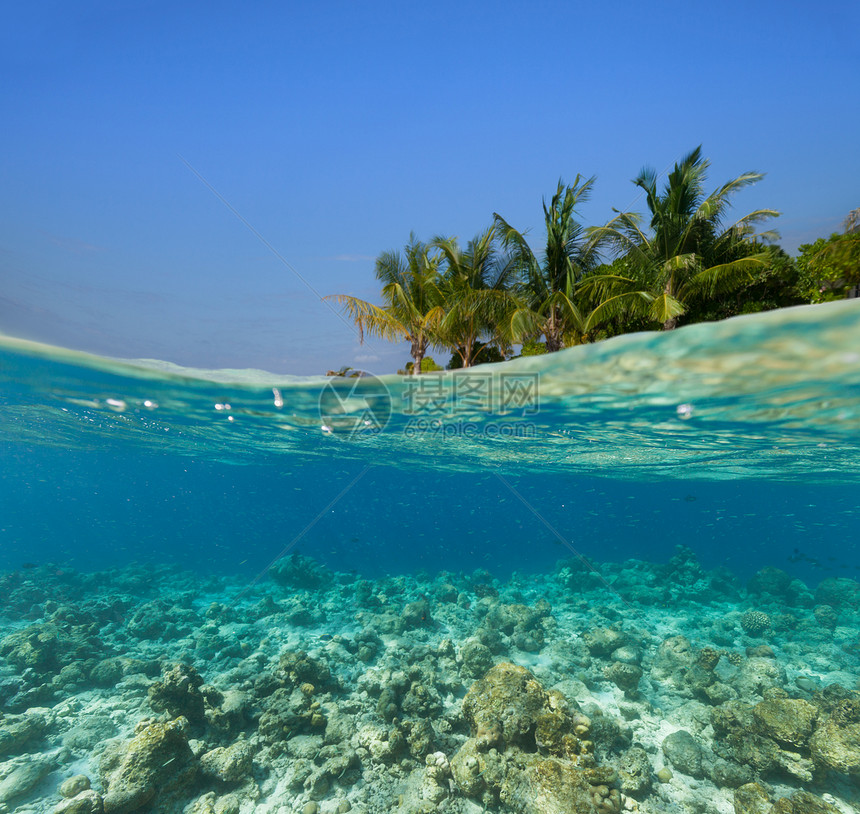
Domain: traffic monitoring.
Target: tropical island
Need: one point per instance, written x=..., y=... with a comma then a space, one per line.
x=682, y=262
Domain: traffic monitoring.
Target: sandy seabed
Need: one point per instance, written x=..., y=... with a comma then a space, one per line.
x=597, y=688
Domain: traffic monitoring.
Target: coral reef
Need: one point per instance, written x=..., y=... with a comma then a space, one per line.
x=528, y=748
x=755, y=622
x=320, y=692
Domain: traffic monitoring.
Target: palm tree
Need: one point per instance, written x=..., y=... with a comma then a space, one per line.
x=410, y=289
x=685, y=256
x=477, y=299
x=549, y=286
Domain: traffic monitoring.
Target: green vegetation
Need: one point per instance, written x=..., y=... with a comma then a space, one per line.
x=686, y=256
x=428, y=365
x=685, y=261
x=485, y=353
x=829, y=268
x=345, y=372
x=533, y=348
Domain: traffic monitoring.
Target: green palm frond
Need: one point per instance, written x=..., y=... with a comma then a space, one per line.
x=753, y=218
x=521, y=256
x=623, y=235
x=523, y=323
x=746, y=179
x=665, y=307
x=680, y=262
x=614, y=306
x=724, y=278
x=429, y=324
x=565, y=308
x=371, y=319
x=603, y=286
x=390, y=268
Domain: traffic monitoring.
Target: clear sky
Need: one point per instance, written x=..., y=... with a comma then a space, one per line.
x=336, y=128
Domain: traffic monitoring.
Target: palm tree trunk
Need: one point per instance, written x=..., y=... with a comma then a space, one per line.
x=467, y=352
x=419, y=348
x=671, y=323
x=553, y=340
x=417, y=358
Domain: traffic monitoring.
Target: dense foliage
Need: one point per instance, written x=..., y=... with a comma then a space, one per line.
x=829, y=269
x=685, y=261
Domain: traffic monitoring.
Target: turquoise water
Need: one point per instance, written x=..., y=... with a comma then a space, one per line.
x=668, y=469
x=740, y=439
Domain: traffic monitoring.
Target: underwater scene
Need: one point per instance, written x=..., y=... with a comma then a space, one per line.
x=620, y=577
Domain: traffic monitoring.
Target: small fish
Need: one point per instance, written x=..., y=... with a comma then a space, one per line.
x=28, y=565
x=798, y=556
x=325, y=637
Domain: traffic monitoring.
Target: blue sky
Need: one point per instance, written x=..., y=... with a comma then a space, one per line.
x=336, y=128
